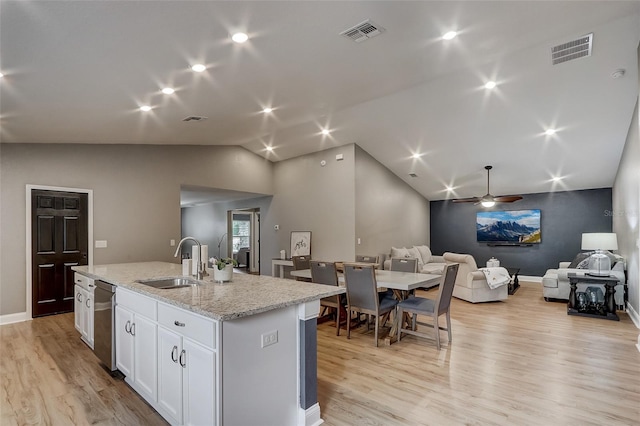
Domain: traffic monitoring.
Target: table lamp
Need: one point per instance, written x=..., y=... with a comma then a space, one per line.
x=599, y=262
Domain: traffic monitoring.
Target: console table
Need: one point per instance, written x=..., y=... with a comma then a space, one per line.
x=279, y=264
x=514, y=284
x=609, y=302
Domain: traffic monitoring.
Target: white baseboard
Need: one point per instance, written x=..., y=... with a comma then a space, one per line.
x=529, y=278
x=12, y=318
x=310, y=416
x=633, y=315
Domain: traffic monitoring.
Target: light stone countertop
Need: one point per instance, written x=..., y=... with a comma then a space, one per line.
x=245, y=295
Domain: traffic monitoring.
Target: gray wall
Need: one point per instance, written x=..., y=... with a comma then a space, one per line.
x=626, y=209
x=136, y=192
x=310, y=197
x=388, y=211
x=564, y=217
x=208, y=223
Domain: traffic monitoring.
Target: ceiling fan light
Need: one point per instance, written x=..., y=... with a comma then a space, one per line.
x=488, y=203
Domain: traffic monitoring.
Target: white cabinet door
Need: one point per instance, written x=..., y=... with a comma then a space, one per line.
x=145, y=355
x=124, y=341
x=198, y=384
x=170, y=373
x=78, y=308
x=90, y=313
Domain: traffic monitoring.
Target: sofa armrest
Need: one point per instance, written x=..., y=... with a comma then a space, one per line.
x=564, y=265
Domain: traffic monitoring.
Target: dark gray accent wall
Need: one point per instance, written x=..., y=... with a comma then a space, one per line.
x=564, y=217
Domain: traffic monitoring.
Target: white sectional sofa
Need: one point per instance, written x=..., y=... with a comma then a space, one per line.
x=427, y=262
x=471, y=283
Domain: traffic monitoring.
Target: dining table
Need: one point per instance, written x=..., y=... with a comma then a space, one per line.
x=402, y=283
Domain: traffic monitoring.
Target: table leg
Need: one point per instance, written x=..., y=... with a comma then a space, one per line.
x=609, y=297
x=572, y=294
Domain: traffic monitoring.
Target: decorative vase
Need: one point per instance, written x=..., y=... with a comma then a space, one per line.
x=223, y=275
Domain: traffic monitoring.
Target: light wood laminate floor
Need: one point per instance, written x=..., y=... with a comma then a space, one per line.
x=519, y=362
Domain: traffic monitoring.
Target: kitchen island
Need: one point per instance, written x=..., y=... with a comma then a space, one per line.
x=238, y=353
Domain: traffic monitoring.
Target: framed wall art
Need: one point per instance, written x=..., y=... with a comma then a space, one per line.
x=300, y=243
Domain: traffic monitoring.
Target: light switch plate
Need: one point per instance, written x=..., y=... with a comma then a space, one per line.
x=101, y=243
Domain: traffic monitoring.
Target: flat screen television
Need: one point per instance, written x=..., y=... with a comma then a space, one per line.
x=508, y=226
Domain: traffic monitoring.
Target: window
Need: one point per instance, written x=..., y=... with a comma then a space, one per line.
x=241, y=232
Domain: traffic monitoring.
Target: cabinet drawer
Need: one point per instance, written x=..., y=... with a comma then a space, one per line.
x=83, y=281
x=137, y=303
x=193, y=326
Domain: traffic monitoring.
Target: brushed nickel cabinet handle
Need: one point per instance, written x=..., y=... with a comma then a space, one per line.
x=174, y=354
x=179, y=324
x=128, y=330
x=183, y=360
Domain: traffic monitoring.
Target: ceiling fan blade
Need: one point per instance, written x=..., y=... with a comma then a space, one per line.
x=507, y=198
x=466, y=200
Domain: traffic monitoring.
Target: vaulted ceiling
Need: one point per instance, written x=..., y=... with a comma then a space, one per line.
x=77, y=72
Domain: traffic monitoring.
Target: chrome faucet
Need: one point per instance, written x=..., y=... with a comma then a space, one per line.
x=201, y=269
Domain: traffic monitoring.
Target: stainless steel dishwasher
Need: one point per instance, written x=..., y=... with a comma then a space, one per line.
x=104, y=317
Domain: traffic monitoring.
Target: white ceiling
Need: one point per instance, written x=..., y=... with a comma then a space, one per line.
x=76, y=72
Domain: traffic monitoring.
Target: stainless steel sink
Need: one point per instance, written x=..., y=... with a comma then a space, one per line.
x=169, y=282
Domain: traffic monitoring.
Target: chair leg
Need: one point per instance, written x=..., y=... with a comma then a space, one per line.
x=449, y=326
x=377, y=320
x=398, y=319
x=348, y=323
x=338, y=320
x=436, y=328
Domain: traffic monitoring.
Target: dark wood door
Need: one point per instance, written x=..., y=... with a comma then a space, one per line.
x=59, y=240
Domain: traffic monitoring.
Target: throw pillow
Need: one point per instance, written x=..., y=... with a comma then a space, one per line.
x=425, y=253
x=579, y=259
x=399, y=252
x=413, y=252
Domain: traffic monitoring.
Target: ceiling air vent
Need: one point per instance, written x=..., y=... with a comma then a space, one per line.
x=572, y=50
x=194, y=118
x=363, y=31
x=413, y=175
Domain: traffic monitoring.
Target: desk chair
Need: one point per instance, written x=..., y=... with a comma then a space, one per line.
x=434, y=308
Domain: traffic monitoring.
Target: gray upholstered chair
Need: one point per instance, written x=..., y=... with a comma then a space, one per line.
x=363, y=258
x=404, y=264
x=362, y=296
x=326, y=273
x=434, y=308
x=299, y=263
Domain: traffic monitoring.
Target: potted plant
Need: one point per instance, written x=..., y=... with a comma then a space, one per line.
x=223, y=268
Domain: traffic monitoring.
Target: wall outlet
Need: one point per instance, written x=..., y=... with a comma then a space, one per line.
x=339, y=157
x=101, y=243
x=359, y=242
x=269, y=338
x=172, y=243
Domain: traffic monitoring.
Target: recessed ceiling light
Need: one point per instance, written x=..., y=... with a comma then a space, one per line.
x=450, y=35
x=198, y=68
x=550, y=132
x=267, y=110
x=168, y=91
x=556, y=179
x=490, y=84
x=1, y=75
x=325, y=131
x=270, y=148
x=415, y=156
x=239, y=37
x=145, y=108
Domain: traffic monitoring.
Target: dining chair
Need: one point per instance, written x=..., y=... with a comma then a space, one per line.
x=362, y=258
x=299, y=263
x=434, y=308
x=326, y=273
x=362, y=296
x=404, y=264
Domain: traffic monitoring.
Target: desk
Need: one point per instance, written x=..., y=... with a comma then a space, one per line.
x=609, y=302
x=281, y=263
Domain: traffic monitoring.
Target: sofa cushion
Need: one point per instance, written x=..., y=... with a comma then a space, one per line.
x=550, y=279
x=433, y=268
x=425, y=253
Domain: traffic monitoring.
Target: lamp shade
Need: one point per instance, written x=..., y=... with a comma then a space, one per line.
x=599, y=241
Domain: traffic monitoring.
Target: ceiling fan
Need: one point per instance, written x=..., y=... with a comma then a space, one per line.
x=489, y=200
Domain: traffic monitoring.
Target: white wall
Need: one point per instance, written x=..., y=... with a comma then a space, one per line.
x=388, y=211
x=626, y=211
x=310, y=197
x=136, y=191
